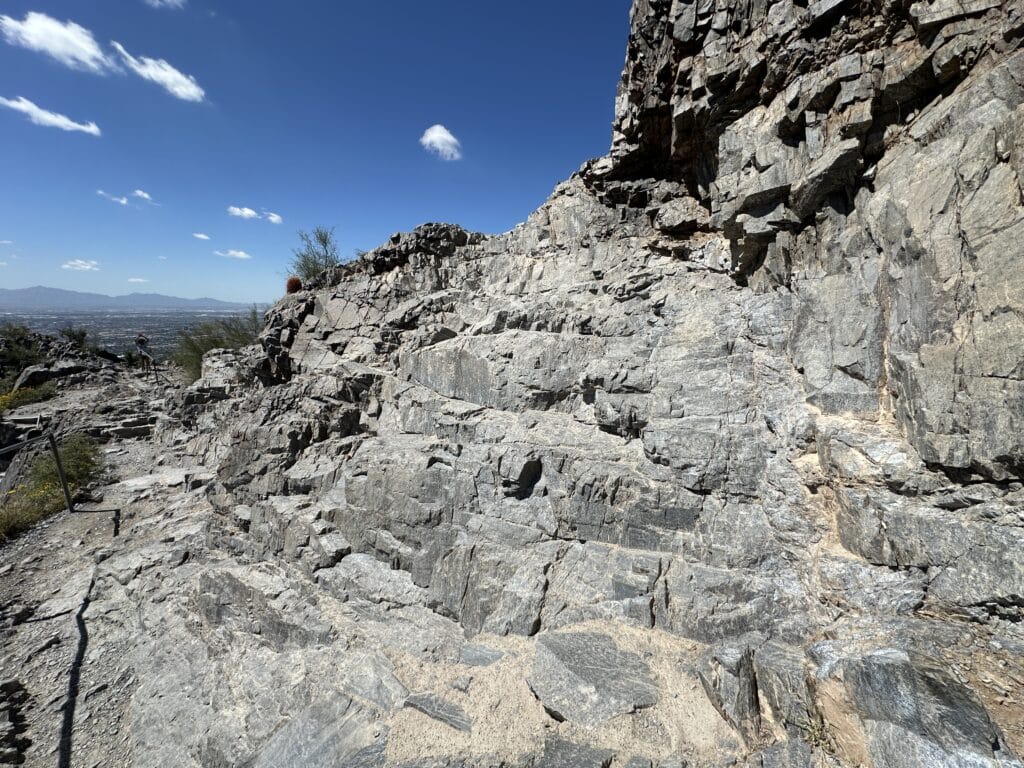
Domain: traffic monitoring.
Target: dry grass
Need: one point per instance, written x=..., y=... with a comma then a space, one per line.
x=817, y=733
x=224, y=333
x=41, y=495
x=26, y=396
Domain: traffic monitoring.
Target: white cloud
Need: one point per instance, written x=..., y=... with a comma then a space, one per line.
x=75, y=47
x=3, y=263
x=6, y=242
x=67, y=42
x=112, y=198
x=158, y=71
x=80, y=265
x=200, y=236
x=165, y=3
x=242, y=213
x=249, y=213
x=441, y=142
x=232, y=254
x=143, y=195
x=137, y=280
x=162, y=258
x=44, y=117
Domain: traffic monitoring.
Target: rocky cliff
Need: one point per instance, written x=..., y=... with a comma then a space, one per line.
x=715, y=460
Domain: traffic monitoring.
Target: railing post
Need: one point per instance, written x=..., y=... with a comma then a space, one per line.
x=60, y=471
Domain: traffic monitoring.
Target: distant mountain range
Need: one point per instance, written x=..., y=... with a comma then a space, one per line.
x=41, y=298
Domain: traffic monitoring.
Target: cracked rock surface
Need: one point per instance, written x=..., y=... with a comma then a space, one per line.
x=715, y=460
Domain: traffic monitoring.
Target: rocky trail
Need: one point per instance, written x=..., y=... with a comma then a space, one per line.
x=71, y=652
x=67, y=692
x=87, y=599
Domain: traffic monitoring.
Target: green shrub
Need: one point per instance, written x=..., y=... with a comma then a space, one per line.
x=319, y=252
x=77, y=336
x=223, y=333
x=41, y=495
x=27, y=396
x=19, y=349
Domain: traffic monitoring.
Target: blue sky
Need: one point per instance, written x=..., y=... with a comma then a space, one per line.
x=308, y=113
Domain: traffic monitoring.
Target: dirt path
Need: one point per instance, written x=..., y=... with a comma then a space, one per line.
x=64, y=692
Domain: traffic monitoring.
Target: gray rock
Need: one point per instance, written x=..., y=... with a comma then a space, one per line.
x=795, y=753
x=781, y=675
x=330, y=548
x=909, y=710
x=34, y=375
x=327, y=733
x=371, y=676
x=936, y=13
x=586, y=679
x=565, y=754
x=727, y=674
x=441, y=710
x=479, y=655
x=363, y=577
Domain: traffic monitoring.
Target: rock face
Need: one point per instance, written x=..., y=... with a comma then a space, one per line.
x=585, y=679
x=715, y=460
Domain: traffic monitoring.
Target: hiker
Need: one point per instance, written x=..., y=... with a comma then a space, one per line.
x=141, y=344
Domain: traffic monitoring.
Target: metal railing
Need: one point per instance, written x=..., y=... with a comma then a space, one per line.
x=48, y=436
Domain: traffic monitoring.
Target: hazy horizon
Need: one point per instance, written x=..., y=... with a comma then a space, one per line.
x=137, y=292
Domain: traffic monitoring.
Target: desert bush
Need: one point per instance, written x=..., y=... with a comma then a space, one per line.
x=41, y=495
x=318, y=252
x=27, y=396
x=77, y=336
x=223, y=333
x=294, y=285
x=19, y=348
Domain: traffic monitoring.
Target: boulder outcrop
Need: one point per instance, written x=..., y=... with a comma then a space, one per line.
x=738, y=410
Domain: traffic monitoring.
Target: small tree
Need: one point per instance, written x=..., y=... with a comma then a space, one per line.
x=77, y=336
x=319, y=252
